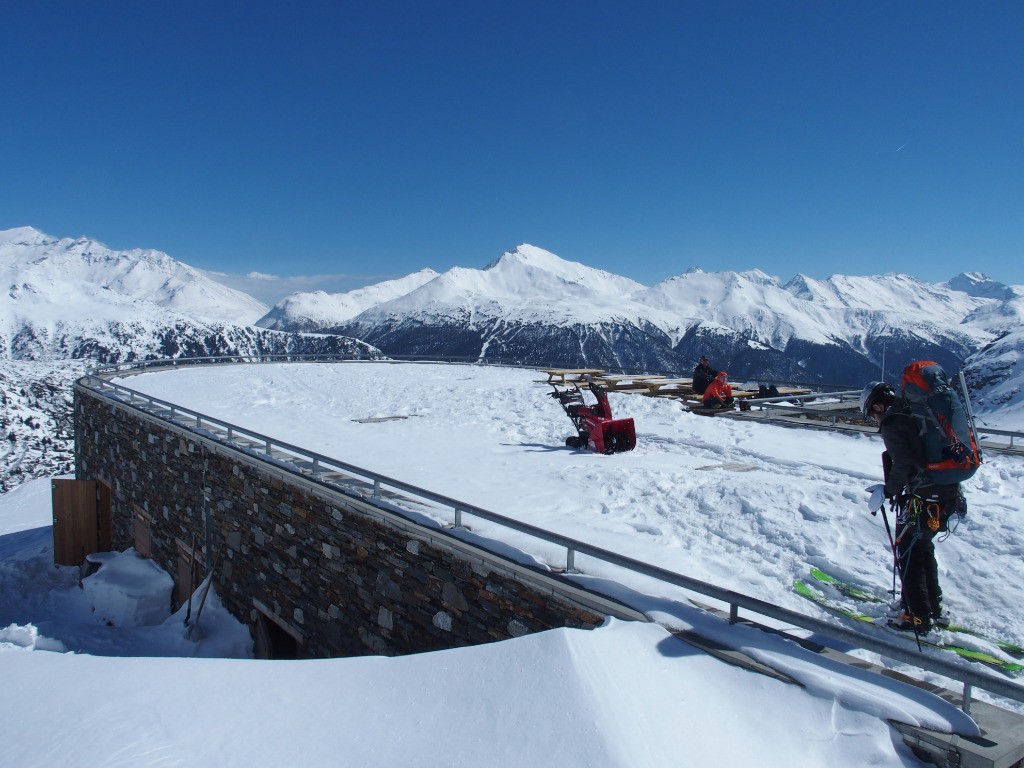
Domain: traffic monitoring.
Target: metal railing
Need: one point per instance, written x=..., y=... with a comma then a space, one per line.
x=318, y=468
x=785, y=405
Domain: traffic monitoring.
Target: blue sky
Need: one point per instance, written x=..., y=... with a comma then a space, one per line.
x=338, y=143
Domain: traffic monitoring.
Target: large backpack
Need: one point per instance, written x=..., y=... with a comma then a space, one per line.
x=950, y=448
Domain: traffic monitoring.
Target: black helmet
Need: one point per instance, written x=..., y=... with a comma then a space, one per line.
x=876, y=392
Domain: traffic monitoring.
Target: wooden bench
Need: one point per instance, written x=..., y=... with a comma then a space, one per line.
x=696, y=402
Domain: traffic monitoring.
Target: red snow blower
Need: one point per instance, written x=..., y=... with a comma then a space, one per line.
x=596, y=430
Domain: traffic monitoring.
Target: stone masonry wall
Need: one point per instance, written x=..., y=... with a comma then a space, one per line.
x=347, y=583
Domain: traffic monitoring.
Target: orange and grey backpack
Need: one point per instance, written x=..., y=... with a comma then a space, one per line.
x=950, y=445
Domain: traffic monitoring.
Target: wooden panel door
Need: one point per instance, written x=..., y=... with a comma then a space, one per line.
x=81, y=519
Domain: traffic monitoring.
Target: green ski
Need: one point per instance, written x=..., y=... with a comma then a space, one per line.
x=856, y=593
x=970, y=654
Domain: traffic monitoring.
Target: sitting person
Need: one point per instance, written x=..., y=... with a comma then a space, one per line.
x=703, y=375
x=719, y=392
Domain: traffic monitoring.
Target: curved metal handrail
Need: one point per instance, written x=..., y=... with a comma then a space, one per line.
x=289, y=457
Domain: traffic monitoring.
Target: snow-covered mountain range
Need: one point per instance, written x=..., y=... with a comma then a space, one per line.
x=531, y=305
x=70, y=303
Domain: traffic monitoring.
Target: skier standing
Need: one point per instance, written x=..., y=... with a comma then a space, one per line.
x=922, y=509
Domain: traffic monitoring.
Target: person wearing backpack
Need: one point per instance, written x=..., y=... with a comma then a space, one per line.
x=922, y=495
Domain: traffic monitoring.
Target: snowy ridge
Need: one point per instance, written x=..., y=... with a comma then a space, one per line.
x=318, y=311
x=996, y=375
x=84, y=280
x=527, y=284
x=67, y=303
x=530, y=304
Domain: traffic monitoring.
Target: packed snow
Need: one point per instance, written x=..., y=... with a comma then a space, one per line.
x=747, y=506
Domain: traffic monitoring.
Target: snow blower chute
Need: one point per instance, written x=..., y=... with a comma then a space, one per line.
x=596, y=430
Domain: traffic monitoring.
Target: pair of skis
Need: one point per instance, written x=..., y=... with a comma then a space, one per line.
x=856, y=597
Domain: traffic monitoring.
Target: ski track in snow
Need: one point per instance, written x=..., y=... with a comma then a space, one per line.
x=747, y=506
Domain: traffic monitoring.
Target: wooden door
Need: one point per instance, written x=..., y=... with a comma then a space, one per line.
x=81, y=519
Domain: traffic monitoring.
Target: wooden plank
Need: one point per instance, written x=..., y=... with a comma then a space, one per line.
x=103, y=515
x=187, y=581
x=794, y=391
x=629, y=377
x=142, y=529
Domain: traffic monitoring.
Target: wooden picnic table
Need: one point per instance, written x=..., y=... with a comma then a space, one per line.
x=676, y=386
x=625, y=382
x=558, y=375
x=743, y=394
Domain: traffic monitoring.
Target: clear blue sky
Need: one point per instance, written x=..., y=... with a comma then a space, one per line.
x=367, y=140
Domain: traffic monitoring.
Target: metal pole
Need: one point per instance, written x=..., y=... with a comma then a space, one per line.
x=967, y=404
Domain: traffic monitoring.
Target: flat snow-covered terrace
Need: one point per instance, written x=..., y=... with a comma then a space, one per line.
x=749, y=507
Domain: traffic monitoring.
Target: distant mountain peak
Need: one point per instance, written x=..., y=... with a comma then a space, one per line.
x=529, y=255
x=85, y=279
x=526, y=261
x=981, y=286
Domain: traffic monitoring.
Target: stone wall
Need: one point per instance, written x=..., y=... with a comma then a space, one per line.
x=333, y=572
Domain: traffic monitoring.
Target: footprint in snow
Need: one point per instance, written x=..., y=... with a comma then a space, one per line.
x=651, y=529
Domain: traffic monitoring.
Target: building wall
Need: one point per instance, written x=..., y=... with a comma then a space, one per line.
x=344, y=578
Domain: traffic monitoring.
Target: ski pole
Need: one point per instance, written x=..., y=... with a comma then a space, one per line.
x=191, y=578
x=206, y=592
x=892, y=548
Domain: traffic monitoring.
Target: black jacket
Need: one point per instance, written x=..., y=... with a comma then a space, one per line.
x=702, y=376
x=906, y=452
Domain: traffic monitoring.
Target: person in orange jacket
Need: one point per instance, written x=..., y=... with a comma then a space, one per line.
x=719, y=393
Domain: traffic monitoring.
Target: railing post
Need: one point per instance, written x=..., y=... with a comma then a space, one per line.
x=967, y=699
x=570, y=560
x=266, y=447
x=376, y=489
x=458, y=517
x=734, y=613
